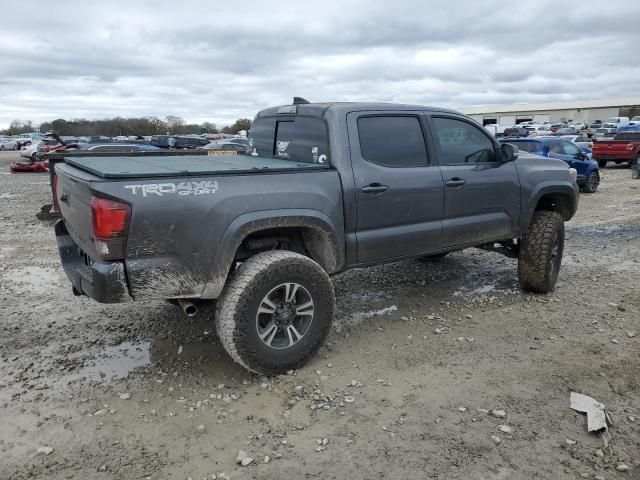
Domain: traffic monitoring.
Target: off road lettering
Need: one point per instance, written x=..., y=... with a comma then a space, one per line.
x=205, y=187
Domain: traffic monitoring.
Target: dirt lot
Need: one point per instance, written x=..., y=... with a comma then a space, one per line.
x=419, y=349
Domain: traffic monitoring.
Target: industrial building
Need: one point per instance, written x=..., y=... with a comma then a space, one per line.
x=578, y=110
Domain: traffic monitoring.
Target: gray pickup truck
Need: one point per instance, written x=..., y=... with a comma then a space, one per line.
x=323, y=188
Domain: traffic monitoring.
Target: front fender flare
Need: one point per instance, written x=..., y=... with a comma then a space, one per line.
x=566, y=189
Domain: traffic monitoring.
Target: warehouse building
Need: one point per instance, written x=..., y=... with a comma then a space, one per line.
x=578, y=110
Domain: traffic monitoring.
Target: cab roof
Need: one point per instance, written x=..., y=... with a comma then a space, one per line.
x=320, y=109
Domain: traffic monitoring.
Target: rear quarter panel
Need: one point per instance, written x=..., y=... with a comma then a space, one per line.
x=182, y=244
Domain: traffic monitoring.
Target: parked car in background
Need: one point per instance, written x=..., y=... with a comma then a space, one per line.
x=566, y=131
x=604, y=133
x=516, y=132
x=579, y=125
x=580, y=140
x=496, y=129
x=556, y=126
x=539, y=130
x=635, y=120
x=561, y=149
x=616, y=122
x=624, y=147
x=8, y=144
x=629, y=128
x=226, y=145
x=178, y=141
x=42, y=145
x=115, y=147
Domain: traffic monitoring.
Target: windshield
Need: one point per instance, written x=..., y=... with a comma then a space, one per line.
x=294, y=138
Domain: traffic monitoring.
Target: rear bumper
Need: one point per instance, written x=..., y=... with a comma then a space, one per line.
x=105, y=282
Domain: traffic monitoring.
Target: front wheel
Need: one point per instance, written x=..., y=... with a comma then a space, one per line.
x=275, y=312
x=540, y=252
x=593, y=180
x=602, y=163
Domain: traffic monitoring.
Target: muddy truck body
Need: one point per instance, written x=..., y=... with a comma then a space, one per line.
x=323, y=188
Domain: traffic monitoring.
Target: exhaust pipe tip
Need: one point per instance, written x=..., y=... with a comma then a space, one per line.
x=189, y=308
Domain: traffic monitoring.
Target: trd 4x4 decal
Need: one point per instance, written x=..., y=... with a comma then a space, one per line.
x=182, y=188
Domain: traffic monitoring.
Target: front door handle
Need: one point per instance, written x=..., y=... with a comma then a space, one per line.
x=455, y=182
x=375, y=188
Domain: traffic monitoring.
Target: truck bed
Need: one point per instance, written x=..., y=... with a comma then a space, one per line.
x=110, y=167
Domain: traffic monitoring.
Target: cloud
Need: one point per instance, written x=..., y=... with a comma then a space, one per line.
x=217, y=62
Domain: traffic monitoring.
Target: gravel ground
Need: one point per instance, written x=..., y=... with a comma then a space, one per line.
x=419, y=353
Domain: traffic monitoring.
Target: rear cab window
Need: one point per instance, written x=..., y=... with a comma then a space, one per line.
x=295, y=138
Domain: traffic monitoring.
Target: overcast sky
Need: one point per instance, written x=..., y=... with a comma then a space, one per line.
x=208, y=61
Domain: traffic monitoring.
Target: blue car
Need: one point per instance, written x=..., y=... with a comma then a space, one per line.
x=554, y=147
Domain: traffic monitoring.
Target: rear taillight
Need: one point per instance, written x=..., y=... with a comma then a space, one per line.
x=110, y=220
x=56, y=205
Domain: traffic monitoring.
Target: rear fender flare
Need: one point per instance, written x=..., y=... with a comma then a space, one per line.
x=249, y=223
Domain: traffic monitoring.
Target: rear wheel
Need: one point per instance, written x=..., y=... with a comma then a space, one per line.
x=602, y=163
x=275, y=312
x=540, y=254
x=635, y=161
x=593, y=180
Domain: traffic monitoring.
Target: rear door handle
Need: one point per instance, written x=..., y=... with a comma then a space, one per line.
x=455, y=182
x=375, y=188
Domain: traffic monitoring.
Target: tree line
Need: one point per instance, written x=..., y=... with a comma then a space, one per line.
x=113, y=127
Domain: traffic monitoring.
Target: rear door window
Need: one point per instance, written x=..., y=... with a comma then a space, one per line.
x=392, y=141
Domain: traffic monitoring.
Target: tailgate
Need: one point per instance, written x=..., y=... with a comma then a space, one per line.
x=74, y=198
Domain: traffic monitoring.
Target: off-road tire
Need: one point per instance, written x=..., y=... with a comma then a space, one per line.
x=593, y=180
x=538, y=268
x=602, y=163
x=238, y=305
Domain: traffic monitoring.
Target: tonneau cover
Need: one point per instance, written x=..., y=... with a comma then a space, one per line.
x=171, y=166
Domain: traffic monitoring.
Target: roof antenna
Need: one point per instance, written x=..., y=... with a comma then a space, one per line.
x=300, y=101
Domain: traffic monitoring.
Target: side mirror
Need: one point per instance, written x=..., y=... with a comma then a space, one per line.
x=509, y=152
